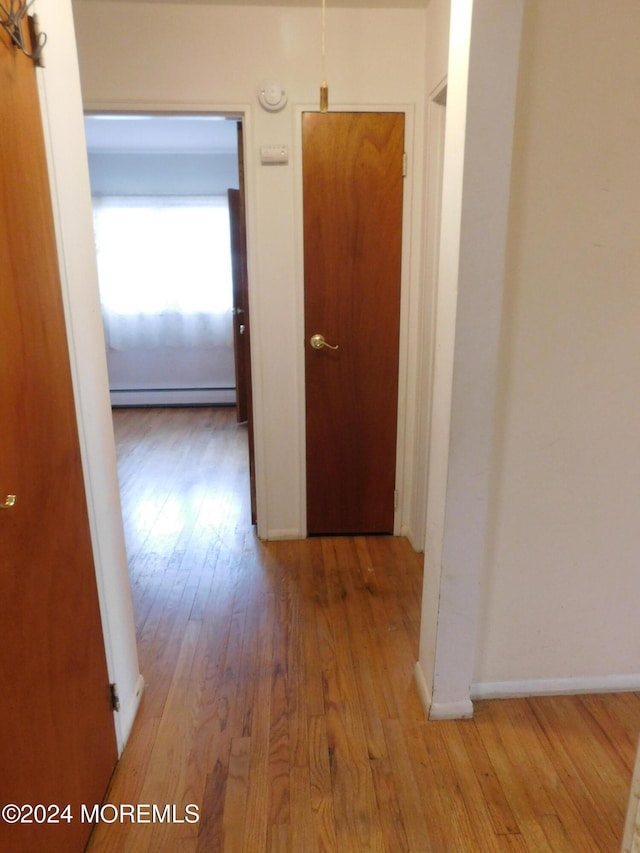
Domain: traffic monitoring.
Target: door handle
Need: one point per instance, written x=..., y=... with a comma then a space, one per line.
x=8, y=502
x=318, y=342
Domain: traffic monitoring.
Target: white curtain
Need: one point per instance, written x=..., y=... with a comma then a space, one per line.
x=164, y=268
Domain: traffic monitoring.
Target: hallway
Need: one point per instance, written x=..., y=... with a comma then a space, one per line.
x=280, y=699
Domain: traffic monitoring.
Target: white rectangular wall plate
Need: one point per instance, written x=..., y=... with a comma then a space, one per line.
x=274, y=154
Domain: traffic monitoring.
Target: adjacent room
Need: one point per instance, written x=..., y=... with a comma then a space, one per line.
x=159, y=186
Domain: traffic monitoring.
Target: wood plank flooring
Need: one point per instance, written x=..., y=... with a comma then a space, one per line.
x=280, y=698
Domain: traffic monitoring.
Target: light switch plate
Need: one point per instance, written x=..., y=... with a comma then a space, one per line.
x=274, y=154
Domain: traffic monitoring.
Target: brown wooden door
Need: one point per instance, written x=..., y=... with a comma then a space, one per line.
x=240, y=312
x=57, y=740
x=240, y=282
x=352, y=186
x=241, y=320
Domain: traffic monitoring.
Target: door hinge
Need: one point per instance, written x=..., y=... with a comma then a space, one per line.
x=396, y=499
x=404, y=164
x=115, y=699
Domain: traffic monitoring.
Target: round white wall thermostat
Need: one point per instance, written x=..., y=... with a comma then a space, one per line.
x=272, y=96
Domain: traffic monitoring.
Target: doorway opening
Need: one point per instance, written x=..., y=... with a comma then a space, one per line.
x=168, y=257
x=159, y=186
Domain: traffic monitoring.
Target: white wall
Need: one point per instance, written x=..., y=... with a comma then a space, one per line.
x=151, y=173
x=215, y=57
x=562, y=586
x=531, y=580
x=64, y=133
x=437, y=339
x=482, y=74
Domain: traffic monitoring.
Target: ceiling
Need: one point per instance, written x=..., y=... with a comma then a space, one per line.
x=184, y=134
x=344, y=4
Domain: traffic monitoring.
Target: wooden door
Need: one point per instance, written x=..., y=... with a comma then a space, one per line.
x=352, y=186
x=57, y=740
x=241, y=321
x=240, y=313
x=240, y=281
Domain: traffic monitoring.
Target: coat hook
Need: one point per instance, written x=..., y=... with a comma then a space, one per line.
x=12, y=18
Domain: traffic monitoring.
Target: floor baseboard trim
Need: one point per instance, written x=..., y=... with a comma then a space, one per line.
x=174, y=397
x=555, y=687
x=125, y=718
x=423, y=688
x=461, y=710
x=284, y=534
x=408, y=533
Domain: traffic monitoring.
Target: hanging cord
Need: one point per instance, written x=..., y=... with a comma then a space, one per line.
x=324, y=89
x=11, y=19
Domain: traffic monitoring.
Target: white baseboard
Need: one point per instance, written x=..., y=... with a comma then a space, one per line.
x=124, y=718
x=423, y=688
x=276, y=534
x=460, y=710
x=519, y=689
x=555, y=686
x=408, y=533
x=174, y=397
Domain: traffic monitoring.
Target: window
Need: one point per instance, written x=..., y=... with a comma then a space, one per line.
x=164, y=267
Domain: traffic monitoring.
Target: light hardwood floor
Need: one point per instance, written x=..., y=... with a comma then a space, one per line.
x=280, y=697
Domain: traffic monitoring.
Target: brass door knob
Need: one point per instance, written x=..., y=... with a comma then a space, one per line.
x=318, y=342
x=8, y=502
